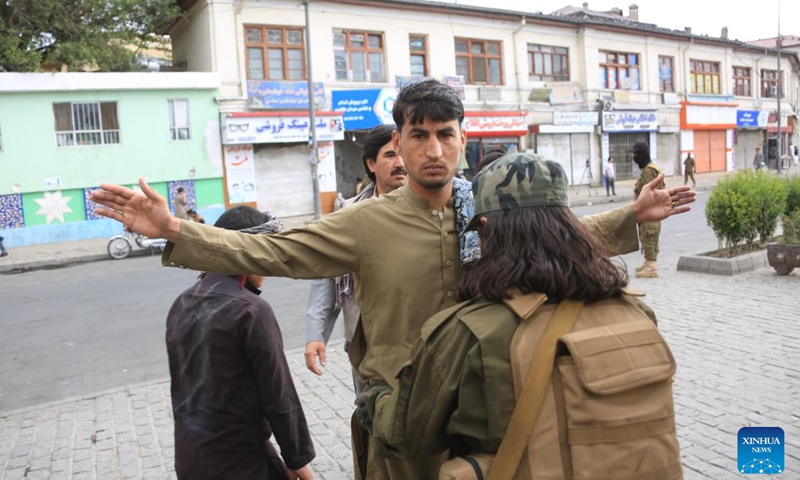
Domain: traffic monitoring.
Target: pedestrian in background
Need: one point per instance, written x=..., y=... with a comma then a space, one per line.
x=3, y=251
x=648, y=231
x=758, y=160
x=230, y=382
x=179, y=209
x=610, y=174
x=688, y=170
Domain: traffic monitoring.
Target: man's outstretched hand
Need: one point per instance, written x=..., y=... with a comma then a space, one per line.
x=654, y=205
x=144, y=212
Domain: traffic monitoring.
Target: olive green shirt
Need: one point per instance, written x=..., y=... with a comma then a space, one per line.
x=649, y=173
x=405, y=258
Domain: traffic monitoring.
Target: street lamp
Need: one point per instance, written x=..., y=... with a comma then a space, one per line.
x=313, y=156
x=779, y=165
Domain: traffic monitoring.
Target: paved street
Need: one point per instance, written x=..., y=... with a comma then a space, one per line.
x=735, y=340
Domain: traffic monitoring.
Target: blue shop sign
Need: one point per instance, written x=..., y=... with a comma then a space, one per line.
x=282, y=94
x=364, y=109
x=751, y=118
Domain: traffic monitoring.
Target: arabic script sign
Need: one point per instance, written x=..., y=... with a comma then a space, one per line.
x=280, y=129
x=492, y=124
x=282, y=94
x=630, y=121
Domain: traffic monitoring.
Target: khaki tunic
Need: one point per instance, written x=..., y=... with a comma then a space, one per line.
x=649, y=232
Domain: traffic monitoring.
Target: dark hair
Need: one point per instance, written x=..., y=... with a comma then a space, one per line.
x=488, y=158
x=180, y=189
x=430, y=99
x=545, y=250
x=374, y=141
x=241, y=217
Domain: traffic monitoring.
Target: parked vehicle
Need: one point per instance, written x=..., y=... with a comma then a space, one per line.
x=120, y=246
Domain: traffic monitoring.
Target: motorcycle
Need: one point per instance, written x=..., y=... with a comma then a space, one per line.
x=120, y=246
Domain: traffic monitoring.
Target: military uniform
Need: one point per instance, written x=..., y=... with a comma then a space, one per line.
x=649, y=232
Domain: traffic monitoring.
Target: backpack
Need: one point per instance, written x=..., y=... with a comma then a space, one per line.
x=601, y=380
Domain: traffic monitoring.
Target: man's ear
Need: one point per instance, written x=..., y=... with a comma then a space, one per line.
x=396, y=142
x=371, y=164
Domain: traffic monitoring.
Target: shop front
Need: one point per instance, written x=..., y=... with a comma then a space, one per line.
x=707, y=131
x=489, y=130
x=622, y=129
x=568, y=141
x=267, y=157
x=749, y=135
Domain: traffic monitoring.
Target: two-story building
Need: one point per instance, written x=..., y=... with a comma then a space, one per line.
x=577, y=85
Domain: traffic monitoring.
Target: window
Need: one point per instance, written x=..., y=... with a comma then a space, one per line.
x=769, y=84
x=178, y=119
x=619, y=71
x=282, y=47
x=358, y=56
x=704, y=76
x=479, y=61
x=665, y=67
x=548, y=64
x=86, y=123
x=418, y=46
x=741, y=82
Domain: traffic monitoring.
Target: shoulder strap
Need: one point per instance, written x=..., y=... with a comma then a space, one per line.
x=523, y=420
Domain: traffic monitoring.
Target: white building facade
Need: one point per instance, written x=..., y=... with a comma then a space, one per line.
x=577, y=87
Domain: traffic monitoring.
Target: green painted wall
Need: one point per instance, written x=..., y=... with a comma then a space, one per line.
x=209, y=192
x=30, y=154
x=35, y=211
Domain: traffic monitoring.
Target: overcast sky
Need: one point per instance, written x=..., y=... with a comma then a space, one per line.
x=746, y=20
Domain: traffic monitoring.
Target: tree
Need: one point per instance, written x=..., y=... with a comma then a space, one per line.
x=100, y=35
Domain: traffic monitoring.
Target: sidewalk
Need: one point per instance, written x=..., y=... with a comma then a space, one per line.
x=55, y=255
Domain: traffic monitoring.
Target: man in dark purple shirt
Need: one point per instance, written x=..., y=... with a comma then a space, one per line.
x=231, y=385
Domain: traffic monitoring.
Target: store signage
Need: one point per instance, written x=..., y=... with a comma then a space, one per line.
x=364, y=109
x=751, y=118
x=575, y=118
x=282, y=94
x=290, y=128
x=630, y=121
x=489, y=125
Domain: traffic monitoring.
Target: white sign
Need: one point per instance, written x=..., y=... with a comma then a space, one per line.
x=630, y=121
x=280, y=129
x=574, y=118
x=240, y=171
x=326, y=168
x=499, y=124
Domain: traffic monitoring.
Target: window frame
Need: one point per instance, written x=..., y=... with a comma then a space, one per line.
x=742, y=83
x=773, y=79
x=469, y=78
x=548, y=56
x=662, y=83
x=422, y=53
x=284, y=47
x=349, y=49
x=608, y=65
x=174, y=129
x=702, y=70
x=80, y=117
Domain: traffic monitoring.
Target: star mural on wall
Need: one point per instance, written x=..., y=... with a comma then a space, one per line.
x=53, y=206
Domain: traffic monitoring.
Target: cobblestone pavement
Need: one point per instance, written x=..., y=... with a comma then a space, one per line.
x=735, y=340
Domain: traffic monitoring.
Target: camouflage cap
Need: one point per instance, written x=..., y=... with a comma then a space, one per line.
x=518, y=180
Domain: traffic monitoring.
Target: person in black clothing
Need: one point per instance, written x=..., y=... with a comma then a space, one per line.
x=3, y=251
x=231, y=386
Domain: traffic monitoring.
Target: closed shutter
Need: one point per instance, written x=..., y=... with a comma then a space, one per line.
x=284, y=180
x=702, y=151
x=718, y=150
x=571, y=151
x=619, y=148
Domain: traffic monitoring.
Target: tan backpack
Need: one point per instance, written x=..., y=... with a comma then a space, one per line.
x=594, y=402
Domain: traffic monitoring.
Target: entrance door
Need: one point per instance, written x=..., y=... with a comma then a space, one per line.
x=710, y=151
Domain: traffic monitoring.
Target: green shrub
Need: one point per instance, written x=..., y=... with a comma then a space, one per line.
x=793, y=194
x=770, y=203
x=791, y=228
x=744, y=207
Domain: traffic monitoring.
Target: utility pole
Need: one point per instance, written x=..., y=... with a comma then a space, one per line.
x=313, y=156
x=778, y=89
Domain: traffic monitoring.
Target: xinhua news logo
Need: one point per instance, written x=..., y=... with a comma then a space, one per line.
x=761, y=451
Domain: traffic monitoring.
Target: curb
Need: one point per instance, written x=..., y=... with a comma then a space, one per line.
x=724, y=266
x=63, y=262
